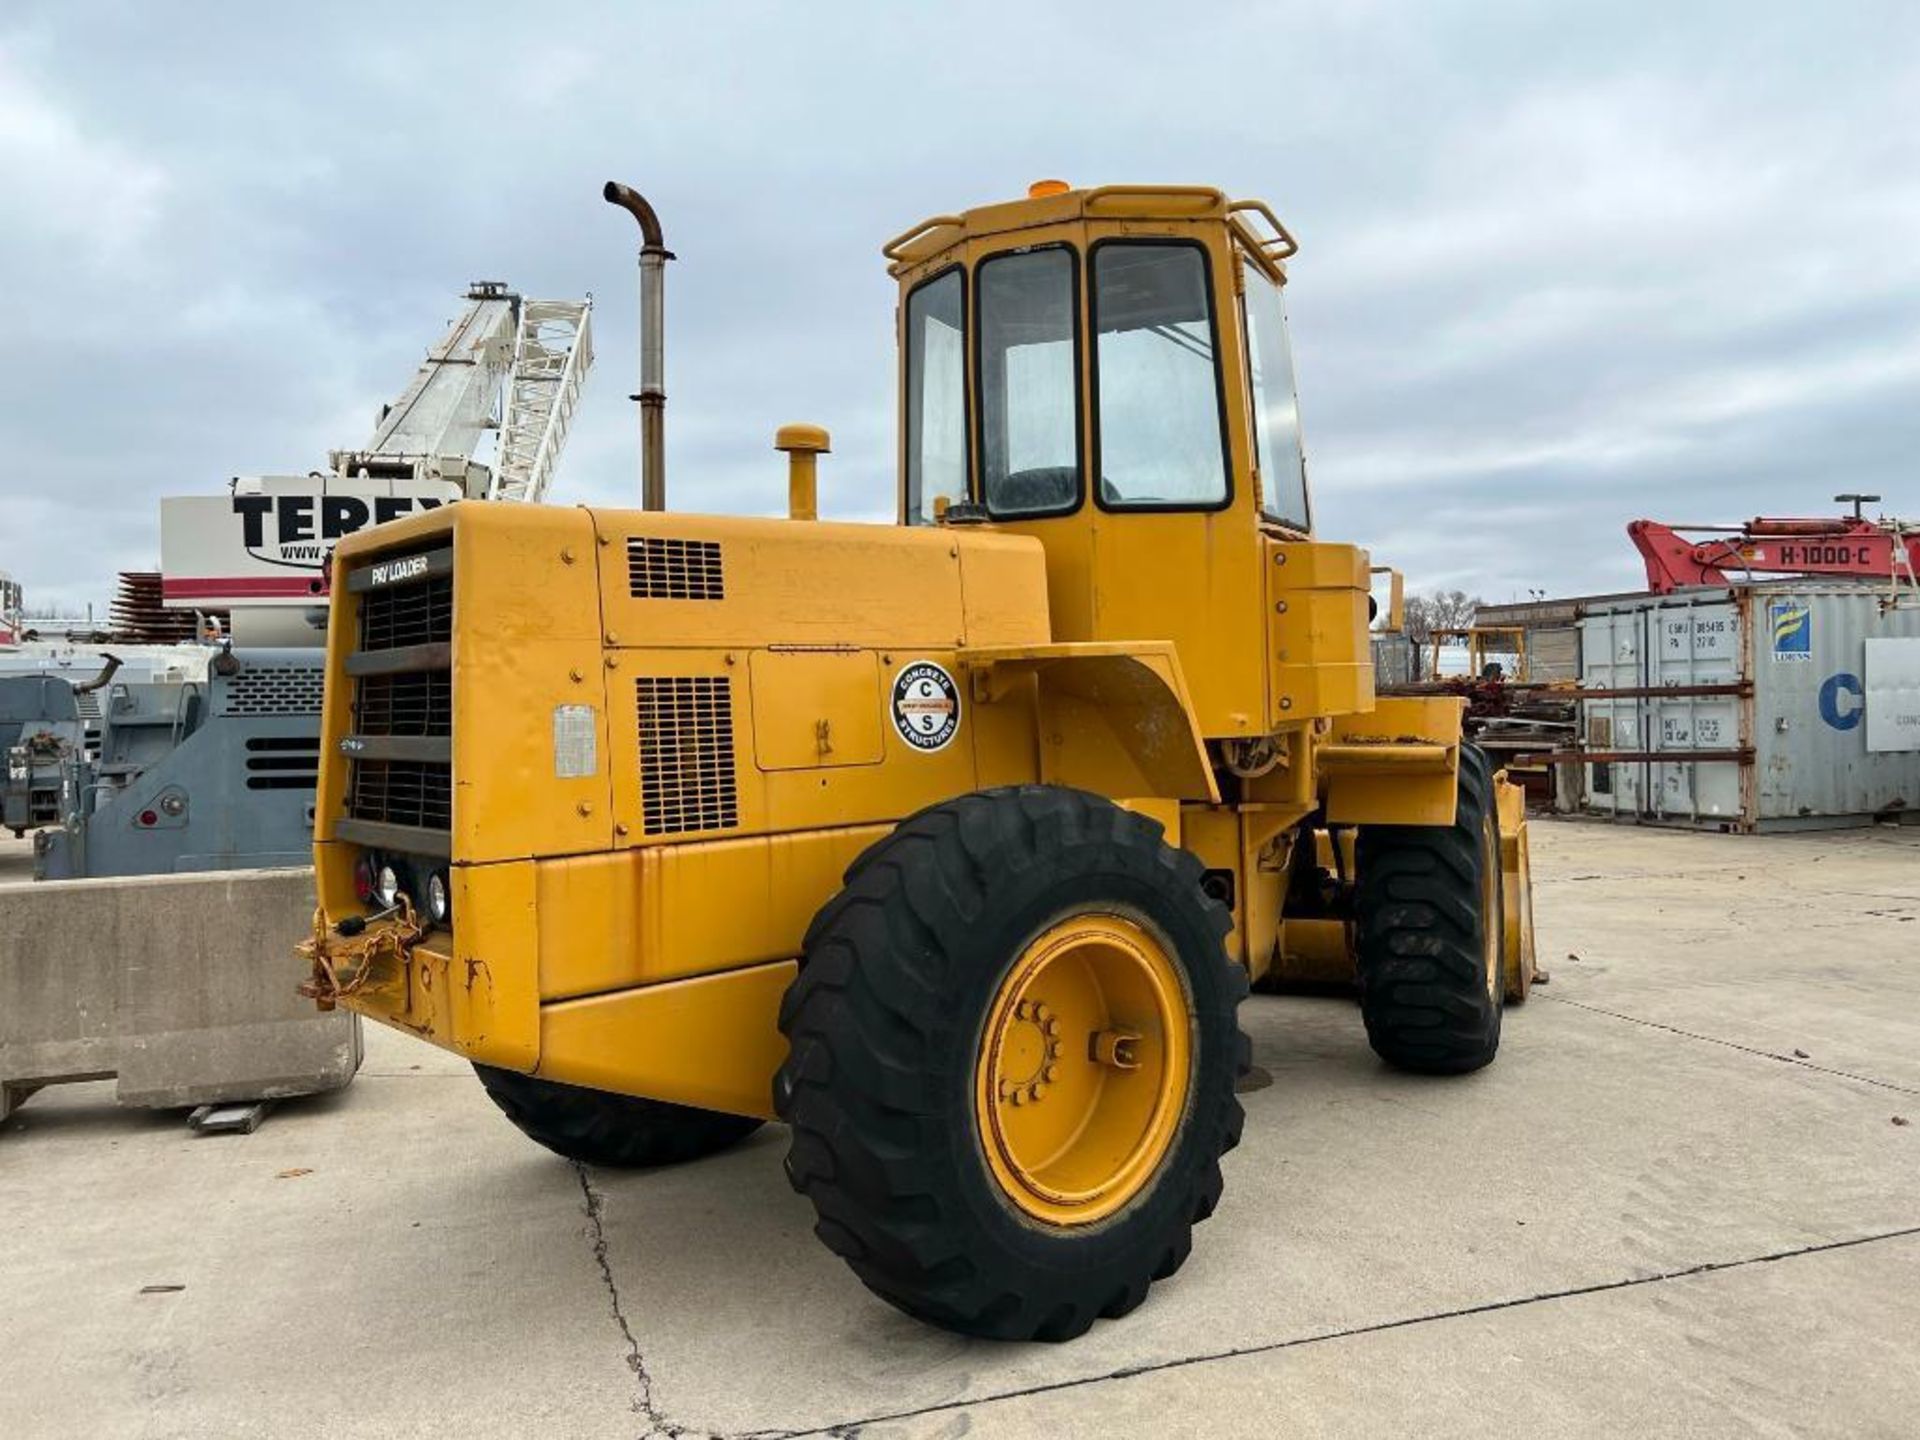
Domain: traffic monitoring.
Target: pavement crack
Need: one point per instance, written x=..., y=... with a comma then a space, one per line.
x=1128, y=1372
x=1732, y=1045
x=643, y=1406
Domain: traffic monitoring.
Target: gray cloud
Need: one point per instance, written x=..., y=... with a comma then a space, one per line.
x=1562, y=266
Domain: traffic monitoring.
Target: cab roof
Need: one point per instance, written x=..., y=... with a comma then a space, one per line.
x=933, y=237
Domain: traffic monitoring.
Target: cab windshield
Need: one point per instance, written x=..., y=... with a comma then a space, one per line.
x=1161, y=429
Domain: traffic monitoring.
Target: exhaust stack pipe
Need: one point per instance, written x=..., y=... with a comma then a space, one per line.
x=653, y=343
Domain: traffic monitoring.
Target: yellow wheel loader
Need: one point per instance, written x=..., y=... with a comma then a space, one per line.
x=954, y=844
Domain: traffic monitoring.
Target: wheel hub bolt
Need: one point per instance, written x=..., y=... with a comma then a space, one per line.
x=1030, y=1089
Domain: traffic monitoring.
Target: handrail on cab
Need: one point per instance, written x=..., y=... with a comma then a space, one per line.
x=895, y=249
x=1280, y=245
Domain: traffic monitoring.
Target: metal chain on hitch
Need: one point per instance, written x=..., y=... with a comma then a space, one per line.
x=355, y=957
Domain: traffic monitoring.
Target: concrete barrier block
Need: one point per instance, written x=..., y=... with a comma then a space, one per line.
x=181, y=986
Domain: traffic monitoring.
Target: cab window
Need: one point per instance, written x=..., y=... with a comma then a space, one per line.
x=936, y=386
x=1029, y=386
x=1276, y=407
x=1162, y=434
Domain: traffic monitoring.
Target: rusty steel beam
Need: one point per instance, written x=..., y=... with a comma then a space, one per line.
x=1664, y=692
x=1627, y=757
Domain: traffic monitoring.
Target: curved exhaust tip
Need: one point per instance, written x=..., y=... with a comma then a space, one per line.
x=635, y=204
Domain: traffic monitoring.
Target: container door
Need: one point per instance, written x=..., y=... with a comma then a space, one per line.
x=1695, y=645
x=1610, y=652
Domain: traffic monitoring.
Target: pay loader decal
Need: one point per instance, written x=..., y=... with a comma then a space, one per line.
x=926, y=706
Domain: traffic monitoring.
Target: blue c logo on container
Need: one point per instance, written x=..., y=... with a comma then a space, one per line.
x=1830, y=693
x=1792, y=624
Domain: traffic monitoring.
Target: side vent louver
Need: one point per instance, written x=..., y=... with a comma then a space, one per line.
x=283, y=762
x=662, y=569
x=686, y=753
x=272, y=690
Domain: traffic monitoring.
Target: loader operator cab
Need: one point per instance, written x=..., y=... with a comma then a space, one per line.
x=1108, y=371
x=1121, y=350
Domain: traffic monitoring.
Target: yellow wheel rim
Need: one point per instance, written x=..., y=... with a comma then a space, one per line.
x=1084, y=1069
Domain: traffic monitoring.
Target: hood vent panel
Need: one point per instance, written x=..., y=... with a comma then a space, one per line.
x=663, y=569
x=687, y=779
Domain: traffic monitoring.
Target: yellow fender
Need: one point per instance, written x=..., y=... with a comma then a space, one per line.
x=1115, y=718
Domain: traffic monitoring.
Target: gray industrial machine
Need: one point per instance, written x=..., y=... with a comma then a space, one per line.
x=212, y=770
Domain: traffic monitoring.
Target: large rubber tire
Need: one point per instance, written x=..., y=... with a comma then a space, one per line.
x=596, y=1127
x=886, y=1025
x=1428, y=932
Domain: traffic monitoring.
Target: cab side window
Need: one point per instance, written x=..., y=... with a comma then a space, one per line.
x=936, y=383
x=1029, y=383
x=1276, y=408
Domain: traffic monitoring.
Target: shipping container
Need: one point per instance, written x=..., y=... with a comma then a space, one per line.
x=1794, y=705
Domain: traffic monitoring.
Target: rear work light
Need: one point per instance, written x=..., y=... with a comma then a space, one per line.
x=439, y=898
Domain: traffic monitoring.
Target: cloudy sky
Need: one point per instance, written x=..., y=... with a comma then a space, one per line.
x=1562, y=265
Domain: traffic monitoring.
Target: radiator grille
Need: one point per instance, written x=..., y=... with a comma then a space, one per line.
x=418, y=702
x=409, y=703
x=400, y=615
x=686, y=753
x=273, y=690
x=417, y=793
x=663, y=569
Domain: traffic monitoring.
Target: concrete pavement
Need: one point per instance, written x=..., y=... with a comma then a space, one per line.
x=1650, y=1215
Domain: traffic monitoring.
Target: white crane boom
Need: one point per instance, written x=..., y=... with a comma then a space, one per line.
x=450, y=402
x=552, y=351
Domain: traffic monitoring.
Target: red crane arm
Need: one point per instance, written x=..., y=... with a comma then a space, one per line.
x=1839, y=546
